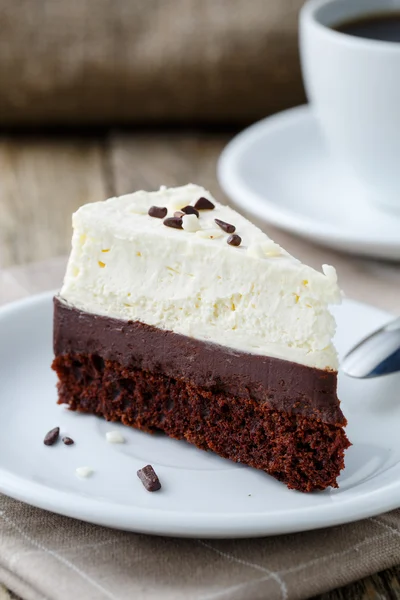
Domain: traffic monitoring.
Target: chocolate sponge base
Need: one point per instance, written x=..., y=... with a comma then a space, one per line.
x=304, y=453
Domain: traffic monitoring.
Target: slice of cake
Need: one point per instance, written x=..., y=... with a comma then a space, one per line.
x=178, y=314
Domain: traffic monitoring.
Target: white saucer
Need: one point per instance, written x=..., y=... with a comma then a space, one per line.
x=202, y=495
x=280, y=170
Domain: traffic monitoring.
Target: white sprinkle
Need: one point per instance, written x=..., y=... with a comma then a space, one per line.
x=266, y=249
x=190, y=223
x=115, y=437
x=139, y=207
x=163, y=188
x=255, y=251
x=210, y=234
x=175, y=203
x=330, y=273
x=271, y=248
x=84, y=472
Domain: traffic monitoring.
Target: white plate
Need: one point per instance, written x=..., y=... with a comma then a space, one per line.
x=202, y=495
x=280, y=170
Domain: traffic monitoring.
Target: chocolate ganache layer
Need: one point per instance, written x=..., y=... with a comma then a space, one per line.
x=274, y=383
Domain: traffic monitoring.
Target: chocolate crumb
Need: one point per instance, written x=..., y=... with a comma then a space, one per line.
x=149, y=478
x=68, y=441
x=52, y=436
x=227, y=227
x=158, y=211
x=234, y=240
x=175, y=222
x=178, y=214
x=190, y=210
x=204, y=204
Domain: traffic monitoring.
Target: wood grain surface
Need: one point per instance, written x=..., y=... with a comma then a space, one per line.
x=43, y=180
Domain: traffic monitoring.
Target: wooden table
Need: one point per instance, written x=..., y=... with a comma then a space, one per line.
x=44, y=179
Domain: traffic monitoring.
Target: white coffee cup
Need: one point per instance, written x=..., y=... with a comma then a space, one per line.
x=353, y=85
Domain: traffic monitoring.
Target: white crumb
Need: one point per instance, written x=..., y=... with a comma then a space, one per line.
x=115, y=437
x=84, y=472
x=211, y=234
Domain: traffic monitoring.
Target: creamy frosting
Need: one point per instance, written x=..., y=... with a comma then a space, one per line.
x=254, y=298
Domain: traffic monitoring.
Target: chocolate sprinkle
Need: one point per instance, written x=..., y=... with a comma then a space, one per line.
x=204, y=204
x=234, y=240
x=149, y=478
x=68, y=441
x=175, y=222
x=179, y=214
x=158, y=211
x=190, y=210
x=52, y=436
x=225, y=226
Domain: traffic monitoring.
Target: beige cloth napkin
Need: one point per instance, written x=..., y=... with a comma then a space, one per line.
x=46, y=556
x=95, y=61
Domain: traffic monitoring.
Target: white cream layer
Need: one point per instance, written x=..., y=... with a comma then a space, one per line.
x=253, y=298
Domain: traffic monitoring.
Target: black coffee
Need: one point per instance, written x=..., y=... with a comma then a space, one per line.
x=382, y=26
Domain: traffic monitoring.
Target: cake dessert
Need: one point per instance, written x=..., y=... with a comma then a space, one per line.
x=178, y=314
